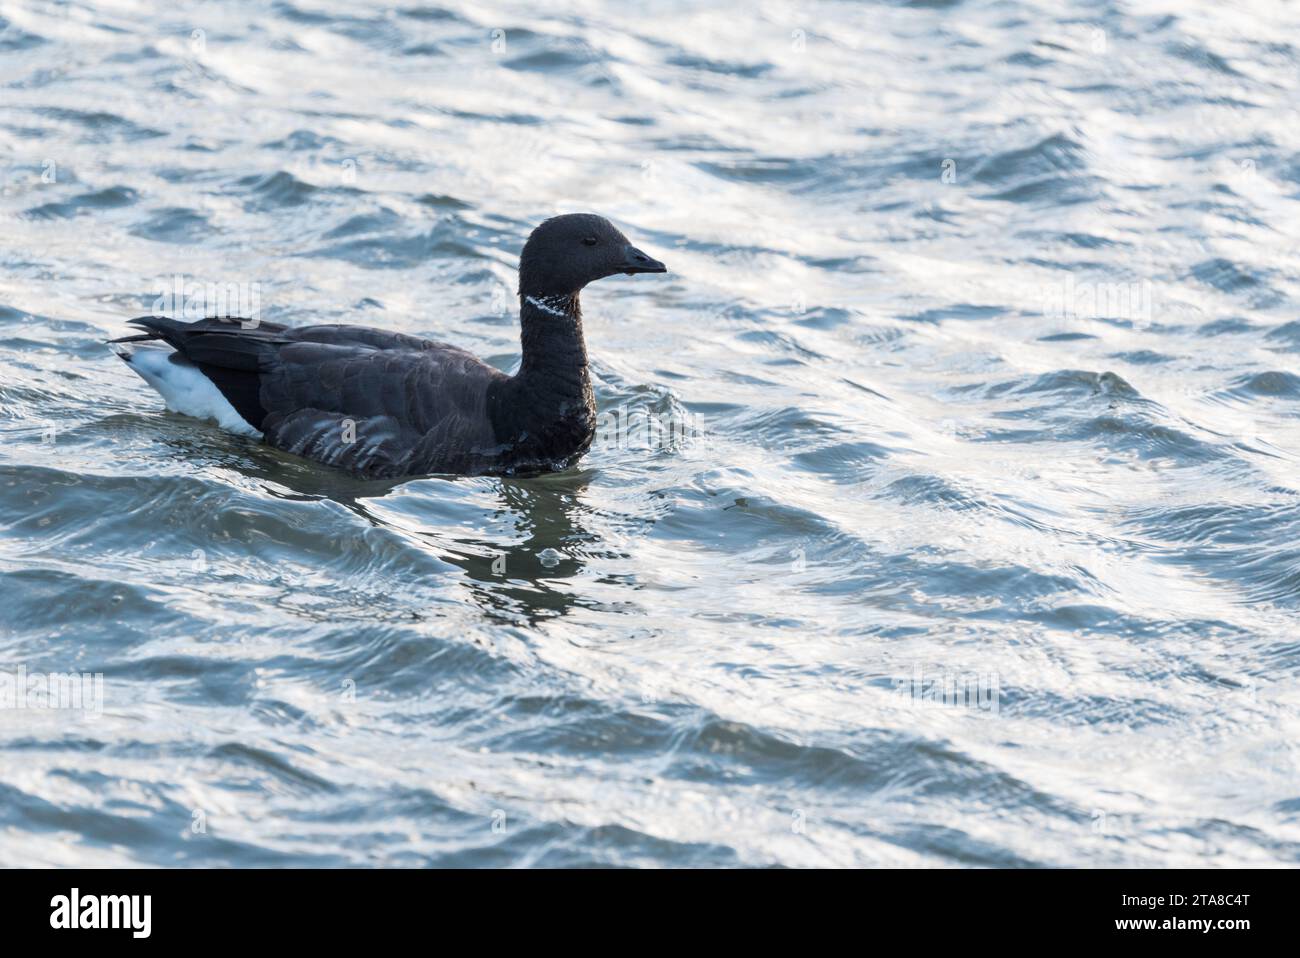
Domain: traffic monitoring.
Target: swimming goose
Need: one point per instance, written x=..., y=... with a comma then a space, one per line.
x=386, y=405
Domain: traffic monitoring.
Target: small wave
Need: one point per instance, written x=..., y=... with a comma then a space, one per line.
x=113, y=197
x=174, y=225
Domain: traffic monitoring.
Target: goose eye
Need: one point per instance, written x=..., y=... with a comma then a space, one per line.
x=589, y=241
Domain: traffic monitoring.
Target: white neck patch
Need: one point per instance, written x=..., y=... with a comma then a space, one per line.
x=552, y=304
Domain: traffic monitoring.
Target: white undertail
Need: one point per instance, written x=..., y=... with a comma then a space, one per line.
x=183, y=386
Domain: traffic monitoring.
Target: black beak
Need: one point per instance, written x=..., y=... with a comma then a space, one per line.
x=635, y=261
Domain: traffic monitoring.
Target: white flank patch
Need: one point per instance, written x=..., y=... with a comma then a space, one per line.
x=183, y=388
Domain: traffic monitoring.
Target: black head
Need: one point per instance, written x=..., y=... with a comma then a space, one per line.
x=567, y=252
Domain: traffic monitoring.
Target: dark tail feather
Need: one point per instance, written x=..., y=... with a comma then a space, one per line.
x=161, y=327
x=212, y=324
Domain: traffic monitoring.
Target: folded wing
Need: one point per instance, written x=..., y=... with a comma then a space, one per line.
x=372, y=402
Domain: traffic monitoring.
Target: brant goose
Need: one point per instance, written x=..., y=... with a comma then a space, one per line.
x=386, y=405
